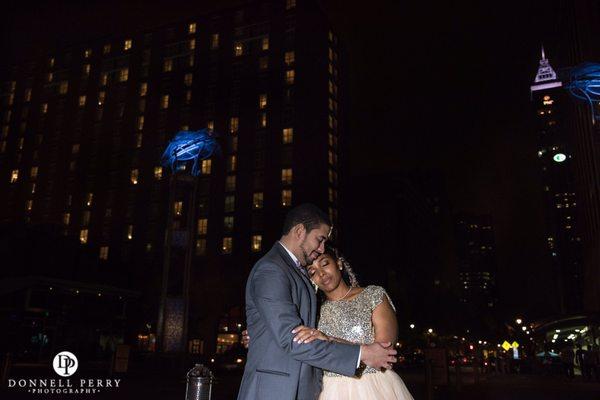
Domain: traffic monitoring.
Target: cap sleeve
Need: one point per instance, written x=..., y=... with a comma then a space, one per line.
x=376, y=296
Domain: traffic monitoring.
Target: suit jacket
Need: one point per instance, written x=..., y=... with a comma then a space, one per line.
x=279, y=298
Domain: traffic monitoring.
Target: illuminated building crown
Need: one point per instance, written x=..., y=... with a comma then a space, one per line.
x=545, y=71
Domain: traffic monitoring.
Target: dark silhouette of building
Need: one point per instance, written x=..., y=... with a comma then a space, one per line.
x=555, y=153
x=476, y=258
x=84, y=128
x=573, y=33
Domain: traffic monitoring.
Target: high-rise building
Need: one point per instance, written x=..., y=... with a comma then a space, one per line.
x=573, y=36
x=476, y=258
x=83, y=130
x=556, y=157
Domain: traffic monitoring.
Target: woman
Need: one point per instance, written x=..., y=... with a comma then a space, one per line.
x=352, y=314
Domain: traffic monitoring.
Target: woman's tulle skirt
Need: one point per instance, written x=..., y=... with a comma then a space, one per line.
x=375, y=386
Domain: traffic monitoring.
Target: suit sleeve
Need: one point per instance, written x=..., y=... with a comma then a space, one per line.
x=271, y=291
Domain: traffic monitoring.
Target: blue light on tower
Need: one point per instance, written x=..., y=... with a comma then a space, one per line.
x=189, y=146
x=585, y=85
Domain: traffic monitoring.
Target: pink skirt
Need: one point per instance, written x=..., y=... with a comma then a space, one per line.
x=376, y=386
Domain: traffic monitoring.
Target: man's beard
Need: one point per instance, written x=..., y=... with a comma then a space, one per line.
x=307, y=260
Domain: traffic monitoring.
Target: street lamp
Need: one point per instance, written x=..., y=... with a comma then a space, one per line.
x=519, y=321
x=430, y=330
x=412, y=326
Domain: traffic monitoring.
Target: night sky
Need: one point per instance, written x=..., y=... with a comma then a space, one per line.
x=442, y=87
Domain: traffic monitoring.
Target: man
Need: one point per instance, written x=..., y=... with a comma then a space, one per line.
x=279, y=297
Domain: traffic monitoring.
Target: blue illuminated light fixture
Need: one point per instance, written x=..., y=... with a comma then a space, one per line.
x=189, y=146
x=585, y=85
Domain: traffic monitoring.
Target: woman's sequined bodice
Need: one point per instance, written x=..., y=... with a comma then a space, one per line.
x=351, y=319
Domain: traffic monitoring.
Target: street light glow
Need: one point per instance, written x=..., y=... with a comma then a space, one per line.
x=519, y=321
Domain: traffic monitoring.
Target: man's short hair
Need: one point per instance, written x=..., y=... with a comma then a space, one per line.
x=309, y=215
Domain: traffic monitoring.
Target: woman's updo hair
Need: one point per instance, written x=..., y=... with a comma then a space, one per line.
x=347, y=273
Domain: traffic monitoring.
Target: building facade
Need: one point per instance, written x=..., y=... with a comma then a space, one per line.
x=556, y=157
x=83, y=131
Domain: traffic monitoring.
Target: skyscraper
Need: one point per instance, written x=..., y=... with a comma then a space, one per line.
x=556, y=157
x=83, y=130
x=476, y=258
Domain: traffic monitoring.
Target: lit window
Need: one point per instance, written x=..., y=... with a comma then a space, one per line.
x=103, y=79
x=289, y=4
x=256, y=242
x=49, y=76
x=168, y=65
x=234, y=123
x=286, y=176
x=106, y=49
x=191, y=60
x=63, y=88
x=3, y=146
x=44, y=108
x=230, y=183
x=89, y=197
x=129, y=232
x=51, y=62
x=331, y=158
x=192, y=44
x=262, y=121
x=227, y=245
x=289, y=76
x=288, y=135
x=228, y=223
x=87, y=53
x=229, y=203
x=104, y=252
x=127, y=44
x=123, y=74
x=200, y=247
x=231, y=163
x=158, y=171
x=140, y=123
x=264, y=43
x=86, y=69
x=21, y=143
x=290, y=58
x=286, y=197
x=164, y=102
x=143, y=89
x=210, y=125
x=75, y=148
x=238, y=49
x=178, y=208
x=83, y=236
x=138, y=140
x=206, y=166
x=202, y=226
x=187, y=79
x=134, y=176
x=29, y=205
x=14, y=176
x=257, y=200
x=66, y=218
x=27, y=96
x=101, y=98
x=34, y=172
x=262, y=101
x=214, y=41
x=82, y=100
x=192, y=27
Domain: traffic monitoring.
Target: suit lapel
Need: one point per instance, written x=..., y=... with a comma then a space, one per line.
x=311, y=292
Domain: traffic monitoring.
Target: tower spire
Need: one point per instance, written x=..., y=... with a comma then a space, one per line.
x=545, y=71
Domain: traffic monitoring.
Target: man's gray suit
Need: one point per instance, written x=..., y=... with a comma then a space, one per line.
x=279, y=298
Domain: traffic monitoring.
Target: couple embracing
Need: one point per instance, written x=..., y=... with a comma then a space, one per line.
x=349, y=356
